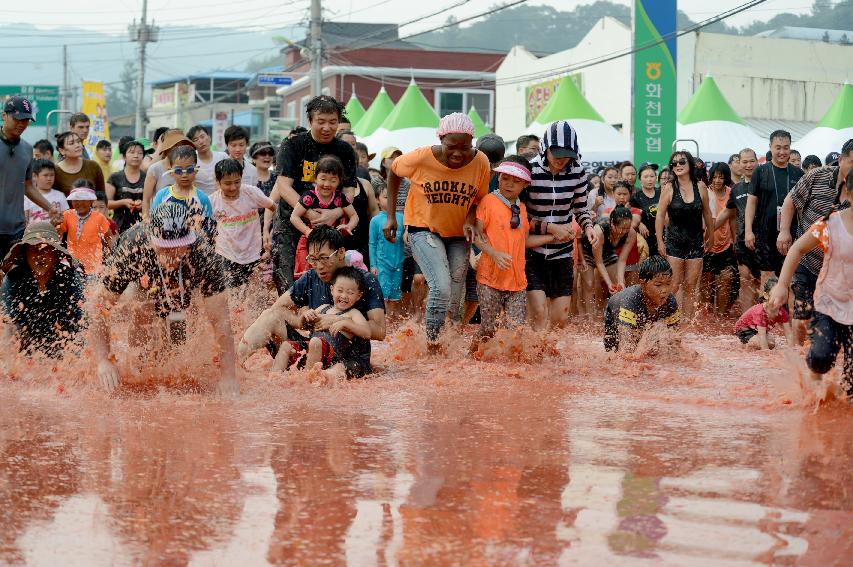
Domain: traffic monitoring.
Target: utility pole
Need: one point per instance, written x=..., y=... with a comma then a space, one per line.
x=65, y=86
x=142, y=33
x=316, y=49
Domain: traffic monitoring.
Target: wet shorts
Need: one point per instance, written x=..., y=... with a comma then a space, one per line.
x=767, y=255
x=554, y=277
x=355, y=367
x=237, y=275
x=608, y=260
x=715, y=263
x=746, y=334
x=746, y=257
x=685, y=249
x=803, y=286
x=471, y=285
x=300, y=348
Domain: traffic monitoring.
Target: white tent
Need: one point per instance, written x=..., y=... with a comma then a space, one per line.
x=411, y=124
x=719, y=132
x=599, y=142
x=835, y=128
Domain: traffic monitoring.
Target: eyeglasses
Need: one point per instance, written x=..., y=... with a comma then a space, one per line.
x=188, y=170
x=675, y=162
x=314, y=260
x=515, y=220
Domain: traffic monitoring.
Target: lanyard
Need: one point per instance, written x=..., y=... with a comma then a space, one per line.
x=166, y=292
x=787, y=181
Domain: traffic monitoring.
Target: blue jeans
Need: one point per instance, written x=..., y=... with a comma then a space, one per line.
x=444, y=262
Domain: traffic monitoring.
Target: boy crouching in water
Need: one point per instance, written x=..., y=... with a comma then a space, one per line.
x=629, y=312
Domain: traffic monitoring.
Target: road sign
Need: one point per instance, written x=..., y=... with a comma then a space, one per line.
x=44, y=98
x=270, y=80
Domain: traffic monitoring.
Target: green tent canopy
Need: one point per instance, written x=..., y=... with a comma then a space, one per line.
x=354, y=109
x=567, y=103
x=840, y=114
x=379, y=110
x=480, y=128
x=413, y=110
x=708, y=103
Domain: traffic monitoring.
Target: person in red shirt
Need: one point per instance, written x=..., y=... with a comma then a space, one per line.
x=753, y=325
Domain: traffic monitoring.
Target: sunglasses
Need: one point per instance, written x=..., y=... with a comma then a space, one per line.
x=265, y=153
x=188, y=170
x=675, y=162
x=515, y=220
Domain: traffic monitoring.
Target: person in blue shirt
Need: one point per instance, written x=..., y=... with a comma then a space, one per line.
x=42, y=293
x=294, y=310
x=387, y=258
x=183, y=191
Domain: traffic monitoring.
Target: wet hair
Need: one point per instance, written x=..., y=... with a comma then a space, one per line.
x=619, y=214
x=234, y=133
x=723, y=169
x=158, y=133
x=325, y=235
x=182, y=152
x=43, y=146
x=62, y=138
x=324, y=104
x=525, y=139
x=227, y=166
x=520, y=160
x=625, y=164
x=492, y=146
x=810, y=161
x=608, y=168
x=750, y=150
x=768, y=285
x=40, y=165
x=124, y=148
x=796, y=152
x=691, y=165
x=103, y=144
x=332, y=165
x=623, y=184
x=83, y=182
x=350, y=273
x=102, y=197
x=782, y=134
x=654, y=266
x=195, y=130
x=78, y=118
x=664, y=170
x=644, y=168
x=733, y=158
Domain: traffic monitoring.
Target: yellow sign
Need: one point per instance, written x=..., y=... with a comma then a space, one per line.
x=95, y=106
x=538, y=95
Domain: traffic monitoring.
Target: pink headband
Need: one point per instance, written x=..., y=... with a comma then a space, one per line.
x=456, y=123
x=514, y=169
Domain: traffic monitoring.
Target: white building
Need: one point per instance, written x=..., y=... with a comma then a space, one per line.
x=770, y=82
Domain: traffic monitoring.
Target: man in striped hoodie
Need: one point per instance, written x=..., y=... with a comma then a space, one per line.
x=558, y=192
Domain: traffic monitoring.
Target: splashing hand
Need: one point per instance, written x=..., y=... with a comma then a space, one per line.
x=108, y=375
x=778, y=296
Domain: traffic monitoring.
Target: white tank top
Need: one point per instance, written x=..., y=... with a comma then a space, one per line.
x=834, y=293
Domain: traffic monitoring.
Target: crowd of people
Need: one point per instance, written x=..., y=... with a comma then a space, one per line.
x=457, y=232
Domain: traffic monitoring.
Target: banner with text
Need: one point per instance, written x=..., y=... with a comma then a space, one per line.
x=95, y=106
x=654, y=80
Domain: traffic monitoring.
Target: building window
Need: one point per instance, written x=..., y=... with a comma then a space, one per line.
x=449, y=101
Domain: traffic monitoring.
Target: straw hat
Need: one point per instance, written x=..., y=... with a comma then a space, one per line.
x=172, y=140
x=39, y=232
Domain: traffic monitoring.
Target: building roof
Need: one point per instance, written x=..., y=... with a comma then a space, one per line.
x=215, y=75
x=808, y=34
x=763, y=127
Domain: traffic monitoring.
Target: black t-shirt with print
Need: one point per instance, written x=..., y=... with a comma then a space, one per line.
x=124, y=217
x=771, y=184
x=134, y=260
x=649, y=206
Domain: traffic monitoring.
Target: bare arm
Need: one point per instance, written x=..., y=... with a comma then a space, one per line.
x=36, y=197
x=784, y=240
x=762, y=338
x=216, y=307
x=354, y=323
x=390, y=228
x=148, y=191
x=598, y=257
x=804, y=244
x=722, y=219
x=706, y=215
x=749, y=216
x=353, y=218
x=629, y=245
x=372, y=202
x=296, y=219
x=663, y=206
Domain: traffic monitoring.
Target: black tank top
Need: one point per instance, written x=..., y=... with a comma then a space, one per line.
x=361, y=235
x=685, y=219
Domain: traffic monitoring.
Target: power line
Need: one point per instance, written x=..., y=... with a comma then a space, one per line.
x=624, y=53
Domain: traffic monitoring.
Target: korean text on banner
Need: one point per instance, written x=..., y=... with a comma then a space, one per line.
x=654, y=80
x=95, y=107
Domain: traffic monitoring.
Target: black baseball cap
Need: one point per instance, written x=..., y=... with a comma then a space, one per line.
x=649, y=165
x=831, y=158
x=19, y=108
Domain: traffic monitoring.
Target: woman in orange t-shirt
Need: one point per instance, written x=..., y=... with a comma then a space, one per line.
x=447, y=181
x=719, y=263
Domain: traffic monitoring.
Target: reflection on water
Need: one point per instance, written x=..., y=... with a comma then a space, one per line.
x=580, y=460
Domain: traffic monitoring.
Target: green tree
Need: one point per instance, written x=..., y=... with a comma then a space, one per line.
x=121, y=95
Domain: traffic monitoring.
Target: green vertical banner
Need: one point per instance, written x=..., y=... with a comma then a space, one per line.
x=654, y=80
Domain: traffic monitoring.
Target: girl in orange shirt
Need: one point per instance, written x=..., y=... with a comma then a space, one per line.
x=87, y=231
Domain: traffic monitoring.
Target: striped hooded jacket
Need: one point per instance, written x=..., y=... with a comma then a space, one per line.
x=556, y=198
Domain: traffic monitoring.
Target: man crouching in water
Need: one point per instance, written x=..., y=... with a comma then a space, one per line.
x=299, y=309
x=168, y=262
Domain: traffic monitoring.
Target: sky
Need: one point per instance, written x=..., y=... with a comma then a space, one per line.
x=113, y=16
